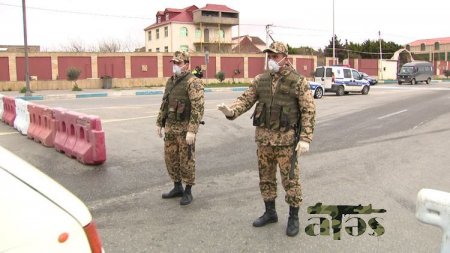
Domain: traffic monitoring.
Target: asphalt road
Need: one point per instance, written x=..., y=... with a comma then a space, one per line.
x=379, y=149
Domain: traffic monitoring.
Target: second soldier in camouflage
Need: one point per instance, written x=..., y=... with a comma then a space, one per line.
x=284, y=108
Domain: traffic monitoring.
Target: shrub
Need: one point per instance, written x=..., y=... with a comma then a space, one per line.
x=72, y=75
x=447, y=73
x=220, y=76
x=23, y=90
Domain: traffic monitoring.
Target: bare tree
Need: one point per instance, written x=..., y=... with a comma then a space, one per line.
x=132, y=45
x=110, y=46
x=104, y=46
x=76, y=46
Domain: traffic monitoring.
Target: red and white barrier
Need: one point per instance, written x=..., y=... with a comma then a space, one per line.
x=1, y=106
x=90, y=146
x=78, y=135
x=9, y=110
x=42, y=124
x=61, y=129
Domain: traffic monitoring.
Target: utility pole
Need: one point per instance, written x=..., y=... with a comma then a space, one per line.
x=267, y=43
x=27, y=76
x=334, y=43
x=381, y=56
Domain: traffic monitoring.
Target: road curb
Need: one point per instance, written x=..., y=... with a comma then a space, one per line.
x=116, y=94
x=395, y=81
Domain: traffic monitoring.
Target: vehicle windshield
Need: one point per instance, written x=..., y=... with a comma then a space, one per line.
x=406, y=70
x=363, y=74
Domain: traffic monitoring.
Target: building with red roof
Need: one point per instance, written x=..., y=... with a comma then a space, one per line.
x=437, y=49
x=248, y=44
x=192, y=29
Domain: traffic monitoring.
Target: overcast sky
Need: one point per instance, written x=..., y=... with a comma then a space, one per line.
x=53, y=24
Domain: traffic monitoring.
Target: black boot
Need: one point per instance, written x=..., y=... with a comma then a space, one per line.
x=177, y=191
x=269, y=216
x=187, y=196
x=293, y=224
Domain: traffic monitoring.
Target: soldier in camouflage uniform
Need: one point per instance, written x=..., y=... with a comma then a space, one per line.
x=284, y=105
x=178, y=119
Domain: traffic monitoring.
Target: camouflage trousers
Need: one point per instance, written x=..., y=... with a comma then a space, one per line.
x=268, y=159
x=180, y=161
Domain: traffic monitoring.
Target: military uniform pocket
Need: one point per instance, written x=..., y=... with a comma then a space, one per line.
x=173, y=109
x=181, y=106
x=259, y=114
x=284, y=119
x=275, y=112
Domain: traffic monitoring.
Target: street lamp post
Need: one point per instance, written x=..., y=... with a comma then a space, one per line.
x=27, y=76
x=381, y=56
x=206, y=64
x=334, y=43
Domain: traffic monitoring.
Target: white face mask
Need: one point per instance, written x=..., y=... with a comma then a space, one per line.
x=176, y=70
x=273, y=65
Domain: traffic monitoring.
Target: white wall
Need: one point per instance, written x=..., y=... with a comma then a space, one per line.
x=388, y=69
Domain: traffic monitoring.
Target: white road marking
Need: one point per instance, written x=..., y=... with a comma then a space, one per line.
x=138, y=118
x=127, y=119
x=418, y=125
x=114, y=107
x=8, y=133
x=392, y=114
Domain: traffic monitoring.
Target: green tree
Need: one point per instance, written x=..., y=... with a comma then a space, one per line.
x=72, y=75
x=220, y=76
x=340, y=50
x=291, y=50
x=447, y=73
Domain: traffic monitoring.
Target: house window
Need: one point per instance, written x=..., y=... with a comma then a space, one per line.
x=184, y=48
x=157, y=49
x=166, y=31
x=166, y=49
x=183, y=32
x=149, y=35
x=198, y=33
x=422, y=47
x=167, y=16
x=159, y=19
x=221, y=34
x=149, y=49
x=436, y=46
x=157, y=33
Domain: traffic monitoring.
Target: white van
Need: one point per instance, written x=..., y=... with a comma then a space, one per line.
x=341, y=80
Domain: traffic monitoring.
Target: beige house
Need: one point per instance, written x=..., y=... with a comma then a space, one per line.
x=192, y=29
x=430, y=49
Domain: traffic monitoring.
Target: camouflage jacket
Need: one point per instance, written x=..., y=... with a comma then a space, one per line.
x=195, y=91
x=306, y=105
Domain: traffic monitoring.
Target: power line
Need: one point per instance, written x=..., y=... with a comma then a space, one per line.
x=76, y=12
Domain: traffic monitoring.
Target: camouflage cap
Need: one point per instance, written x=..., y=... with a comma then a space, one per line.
x=180, y=56
x=277, y=48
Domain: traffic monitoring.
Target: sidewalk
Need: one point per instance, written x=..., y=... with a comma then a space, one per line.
x=395, y=81
x=89, y=93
